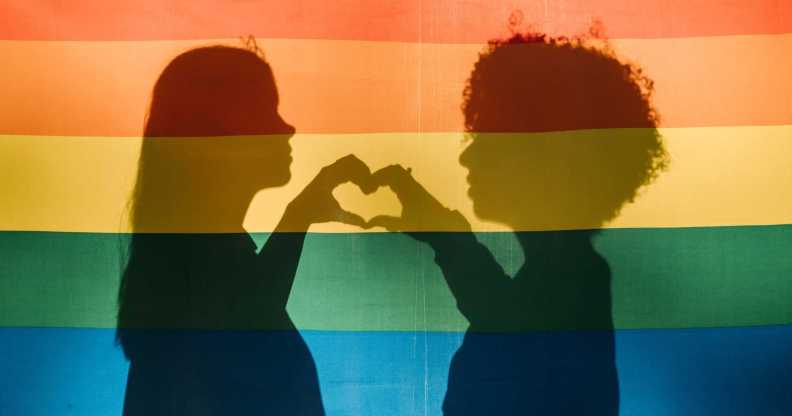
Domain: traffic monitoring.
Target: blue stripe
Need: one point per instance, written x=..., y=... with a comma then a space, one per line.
x=729, y=371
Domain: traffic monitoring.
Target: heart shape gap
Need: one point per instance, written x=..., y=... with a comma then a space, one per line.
x=380, y=202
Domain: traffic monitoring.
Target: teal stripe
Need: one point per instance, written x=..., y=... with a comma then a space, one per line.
x=661, y=278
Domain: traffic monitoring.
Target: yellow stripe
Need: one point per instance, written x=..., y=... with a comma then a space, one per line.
x=717, y=176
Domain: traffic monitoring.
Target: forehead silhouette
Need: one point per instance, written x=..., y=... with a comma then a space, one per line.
x=213, y=91
x=533, y=83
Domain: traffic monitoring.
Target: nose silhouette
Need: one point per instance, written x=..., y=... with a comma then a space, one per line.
x=466, y=157
x=280, y=126
x=288, y=129
x=272, y=123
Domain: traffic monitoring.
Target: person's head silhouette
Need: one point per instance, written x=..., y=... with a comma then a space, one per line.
x=538, y=84
x=201, y=309
x=215, y=91
x=203, y=155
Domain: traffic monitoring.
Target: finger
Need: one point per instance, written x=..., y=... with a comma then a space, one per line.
x=350, y=218
x=387, y=222
x=351, y=169
x=396, y=177
x=400, y=180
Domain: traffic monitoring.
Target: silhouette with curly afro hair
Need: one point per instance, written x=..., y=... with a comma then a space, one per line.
x=562, y=135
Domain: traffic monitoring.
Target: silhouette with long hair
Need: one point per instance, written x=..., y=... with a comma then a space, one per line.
x=543, y=161
x=202, y=316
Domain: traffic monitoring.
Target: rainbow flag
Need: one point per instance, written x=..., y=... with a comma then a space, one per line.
x=619, y=241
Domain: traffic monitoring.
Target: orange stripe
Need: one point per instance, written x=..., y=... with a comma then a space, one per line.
x=401, y=20
x=103, y=88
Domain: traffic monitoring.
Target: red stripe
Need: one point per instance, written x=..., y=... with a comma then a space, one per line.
x=442, y=21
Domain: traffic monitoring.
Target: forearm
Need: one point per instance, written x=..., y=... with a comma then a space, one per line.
x=477, y=281
x=279, y=258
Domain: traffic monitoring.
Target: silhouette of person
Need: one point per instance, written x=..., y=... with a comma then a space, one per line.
x=541, y=160
x=202, y=317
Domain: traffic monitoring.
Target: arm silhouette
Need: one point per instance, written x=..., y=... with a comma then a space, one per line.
x=483, y=291
x=280, y=256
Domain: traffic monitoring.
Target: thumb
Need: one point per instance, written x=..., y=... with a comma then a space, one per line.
x=346, y=217
x=387, y=222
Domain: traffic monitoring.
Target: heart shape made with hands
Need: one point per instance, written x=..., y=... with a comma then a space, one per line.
x=417, y=209
x=382, y=201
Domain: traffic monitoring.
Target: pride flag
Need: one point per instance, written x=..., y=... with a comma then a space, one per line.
x=695, y=312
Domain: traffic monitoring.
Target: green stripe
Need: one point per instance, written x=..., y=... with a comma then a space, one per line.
x=661, y=278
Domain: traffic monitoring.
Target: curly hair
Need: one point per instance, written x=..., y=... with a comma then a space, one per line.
x=535, y=83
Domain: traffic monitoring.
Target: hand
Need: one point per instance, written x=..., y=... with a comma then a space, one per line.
x=420, y=210
x=316, y=204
